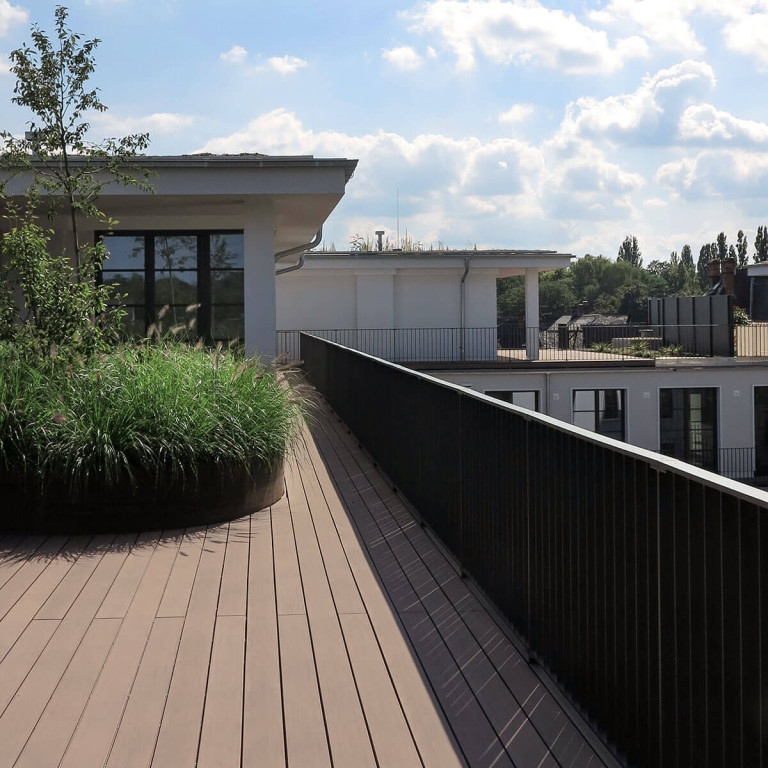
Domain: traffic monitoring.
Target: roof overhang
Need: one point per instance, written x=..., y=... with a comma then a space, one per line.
x=302, y=191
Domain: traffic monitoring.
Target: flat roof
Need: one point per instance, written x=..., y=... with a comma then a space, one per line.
x=245, y=160
x=494, y=253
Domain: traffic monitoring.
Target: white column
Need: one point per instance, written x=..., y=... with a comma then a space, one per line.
x=260, y=293
x=532, y=313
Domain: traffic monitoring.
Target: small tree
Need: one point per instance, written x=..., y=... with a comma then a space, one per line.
x=51, y=80
x=61, y=303
x=722, y=247
x=630, y=251
x=741, y=248
x=761, y=244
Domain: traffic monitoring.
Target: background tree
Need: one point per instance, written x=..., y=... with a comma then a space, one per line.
x=629, y=251
x=741, y=248
x=686, y=258
x=721, y=247
x=761, y=244
x=705, y=256
x=52, y=81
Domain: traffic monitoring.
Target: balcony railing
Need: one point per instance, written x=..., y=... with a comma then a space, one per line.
x=641, y=582
x=511, y=344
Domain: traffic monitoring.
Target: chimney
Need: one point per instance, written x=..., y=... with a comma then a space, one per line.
x=380, y=234
x=579, y=310
x=713, y=272
x=728, y=276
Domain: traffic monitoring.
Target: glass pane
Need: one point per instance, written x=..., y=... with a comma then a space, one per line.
x=124, y=252
x=227, y=323
x=226, y=251
x=525, y=400
x=584, y=400
x=227, y=287
x=134, y=322
x=176, y=314
x=175, y=287
x=175, y=252
x=130, y=285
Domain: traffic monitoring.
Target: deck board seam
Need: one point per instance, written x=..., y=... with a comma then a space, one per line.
x=178, y=647
x=309, y=624
x=277, y=629
x=210, y=653
x=311, y=468
x=143, y=650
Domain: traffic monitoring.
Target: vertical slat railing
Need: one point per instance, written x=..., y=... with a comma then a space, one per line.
x=640, y=582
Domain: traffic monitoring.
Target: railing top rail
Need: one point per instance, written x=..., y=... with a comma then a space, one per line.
x=655, y=460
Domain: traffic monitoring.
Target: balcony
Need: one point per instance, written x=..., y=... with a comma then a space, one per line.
x=512, y=346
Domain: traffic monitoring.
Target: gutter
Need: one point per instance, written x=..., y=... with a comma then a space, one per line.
x=297, y=249
x=463, y=311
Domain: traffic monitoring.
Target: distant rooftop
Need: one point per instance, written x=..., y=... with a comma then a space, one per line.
x=396, y=253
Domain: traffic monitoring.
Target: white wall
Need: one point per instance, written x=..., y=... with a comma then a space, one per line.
x=735, y=401
x=323, y=301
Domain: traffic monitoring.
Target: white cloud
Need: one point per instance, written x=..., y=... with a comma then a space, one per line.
x=717, y=173
x=286, y=65
x=667, y=23
x=664, y=22
x=704, y=123
x=649, y=115
x=517, y=113
x=522, y=32
x=404, y=58
x=10, y=16
x=746, y=33
x=235, y=55
x=162, y=123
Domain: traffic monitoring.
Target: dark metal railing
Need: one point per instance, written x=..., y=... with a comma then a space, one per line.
x=639, y=581
x=511, y=344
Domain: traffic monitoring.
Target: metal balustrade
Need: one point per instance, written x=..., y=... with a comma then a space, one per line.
x=639, y=581
x=508, y=345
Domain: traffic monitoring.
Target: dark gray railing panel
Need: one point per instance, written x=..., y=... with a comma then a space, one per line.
x=639, y=581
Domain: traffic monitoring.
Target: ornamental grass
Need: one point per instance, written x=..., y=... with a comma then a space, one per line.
x=161, y=408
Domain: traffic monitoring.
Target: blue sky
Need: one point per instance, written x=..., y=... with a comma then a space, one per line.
x=502, y=123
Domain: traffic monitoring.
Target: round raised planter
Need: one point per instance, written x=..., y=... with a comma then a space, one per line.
x=218, y=493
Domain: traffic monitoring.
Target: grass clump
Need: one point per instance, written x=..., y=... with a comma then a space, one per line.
x=160, y=408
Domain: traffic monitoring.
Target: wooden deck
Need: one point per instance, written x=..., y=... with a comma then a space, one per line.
x=327, y=630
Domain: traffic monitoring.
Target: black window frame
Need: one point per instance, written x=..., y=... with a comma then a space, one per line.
x=507, y=396
x=620, y=406
x=203, y=270
x=675, y=441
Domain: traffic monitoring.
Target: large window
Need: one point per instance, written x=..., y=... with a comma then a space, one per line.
x=601, y=411
x=525, y=398
x=179, y=269
x=688, y=425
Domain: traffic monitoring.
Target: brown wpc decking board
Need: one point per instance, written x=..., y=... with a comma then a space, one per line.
x=330, y=629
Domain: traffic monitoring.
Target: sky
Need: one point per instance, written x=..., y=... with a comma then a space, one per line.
x=497, y=123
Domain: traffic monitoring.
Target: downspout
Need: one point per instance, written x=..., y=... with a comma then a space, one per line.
x=547, y=391
x=297, y=249
x=463, y=312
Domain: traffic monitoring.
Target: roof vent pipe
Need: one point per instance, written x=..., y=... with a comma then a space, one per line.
x=379, y=235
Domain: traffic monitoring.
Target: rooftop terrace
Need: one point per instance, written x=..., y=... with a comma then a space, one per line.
x=329, y=629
